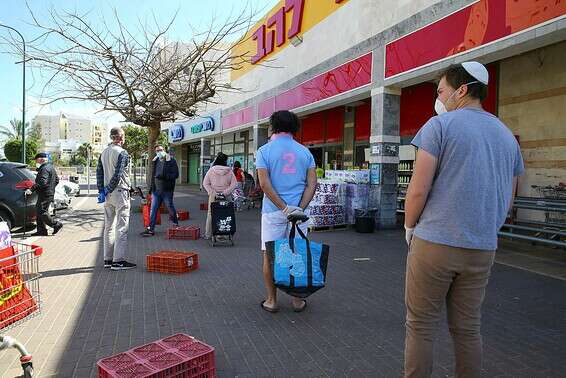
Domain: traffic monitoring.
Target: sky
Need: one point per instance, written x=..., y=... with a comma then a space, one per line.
x=14, y=13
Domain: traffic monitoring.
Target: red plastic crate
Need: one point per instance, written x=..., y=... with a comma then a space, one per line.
x=186, y=233
x=175, y=356
x=146, y=212
x=171, y=262
x=182, y=215
x=204, y=206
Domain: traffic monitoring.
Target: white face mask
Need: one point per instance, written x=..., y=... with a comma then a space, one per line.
x=161, y=154
x=439, y=106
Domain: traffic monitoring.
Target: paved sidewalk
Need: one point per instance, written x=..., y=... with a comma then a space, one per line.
x=354, y=327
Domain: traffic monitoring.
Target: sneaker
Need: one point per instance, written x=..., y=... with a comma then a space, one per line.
x=57, y=228
x=39, y=234
x=107, y=263
x=148, y=232
x=122, y=265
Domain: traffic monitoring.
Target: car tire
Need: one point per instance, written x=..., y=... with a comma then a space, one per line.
x=6, y=218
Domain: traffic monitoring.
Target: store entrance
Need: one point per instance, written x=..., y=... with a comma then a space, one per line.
x=328, y=156
x=193, y=168
x=317, y=153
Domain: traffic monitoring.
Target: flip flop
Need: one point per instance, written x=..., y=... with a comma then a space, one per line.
x=301, y=309
x=268, y=309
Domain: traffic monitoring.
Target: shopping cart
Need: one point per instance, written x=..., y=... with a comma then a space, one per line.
x=19, y=295
x=550, y=193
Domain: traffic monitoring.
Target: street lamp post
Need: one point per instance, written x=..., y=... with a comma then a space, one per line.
x=23, y=91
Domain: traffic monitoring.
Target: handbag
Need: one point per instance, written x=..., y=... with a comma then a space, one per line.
x=298, y=265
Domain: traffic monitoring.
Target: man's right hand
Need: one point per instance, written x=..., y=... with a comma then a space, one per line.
x=28, y=192
x=102, y=196
x=290, y=209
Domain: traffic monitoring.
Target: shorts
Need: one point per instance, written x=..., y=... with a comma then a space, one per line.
x=275, y=226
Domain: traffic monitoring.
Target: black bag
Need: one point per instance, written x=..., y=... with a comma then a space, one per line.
x=223, y=218
x=298, y=265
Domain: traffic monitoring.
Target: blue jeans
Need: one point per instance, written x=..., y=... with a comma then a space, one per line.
x=157, y=199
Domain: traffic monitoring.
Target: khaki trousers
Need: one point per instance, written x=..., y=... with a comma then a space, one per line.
x=439, y=274
x=116, y=224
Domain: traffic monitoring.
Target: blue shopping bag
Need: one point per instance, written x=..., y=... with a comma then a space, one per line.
x=298, y=265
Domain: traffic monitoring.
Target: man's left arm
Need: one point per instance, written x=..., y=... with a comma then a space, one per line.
x=174, y=174
x=308, y=194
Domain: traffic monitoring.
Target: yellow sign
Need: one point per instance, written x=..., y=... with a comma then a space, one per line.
x=288, y=20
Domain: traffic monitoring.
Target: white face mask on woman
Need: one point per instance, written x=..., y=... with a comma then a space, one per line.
x=439, y=106
x=161, y=154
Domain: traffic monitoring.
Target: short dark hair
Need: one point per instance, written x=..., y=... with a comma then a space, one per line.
x=221, y=159
x=115, y=131
x=284, y=121
x=456, y=76
x=159, y=145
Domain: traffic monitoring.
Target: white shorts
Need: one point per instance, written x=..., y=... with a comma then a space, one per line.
x=275, y=226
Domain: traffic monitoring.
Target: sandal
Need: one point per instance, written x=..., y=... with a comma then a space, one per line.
x=300, y=309
x=268, y=309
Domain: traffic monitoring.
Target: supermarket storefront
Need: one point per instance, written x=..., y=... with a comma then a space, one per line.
x=364, y=87
x=190, y=141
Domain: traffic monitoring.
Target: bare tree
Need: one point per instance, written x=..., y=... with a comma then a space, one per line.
x=135, y=73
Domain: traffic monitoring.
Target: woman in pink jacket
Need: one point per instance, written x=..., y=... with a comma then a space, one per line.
x=219, y=179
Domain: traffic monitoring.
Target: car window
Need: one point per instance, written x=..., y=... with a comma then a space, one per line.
x=26, y=173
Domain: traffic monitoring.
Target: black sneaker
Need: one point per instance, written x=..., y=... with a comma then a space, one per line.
x=57, y=228
x=122, y=265
x=148, y=232
x=107, y=263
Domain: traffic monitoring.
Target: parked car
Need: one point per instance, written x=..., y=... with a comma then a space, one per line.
x=71, y=188
x=15, y=178
x=61, y=199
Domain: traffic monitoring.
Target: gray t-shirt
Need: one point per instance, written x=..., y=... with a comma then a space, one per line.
x=478, y=157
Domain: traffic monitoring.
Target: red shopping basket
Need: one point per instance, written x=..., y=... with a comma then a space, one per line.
x=19, y=282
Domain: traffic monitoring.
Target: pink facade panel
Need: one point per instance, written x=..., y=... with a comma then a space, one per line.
x=349, y=76
x=238, y=118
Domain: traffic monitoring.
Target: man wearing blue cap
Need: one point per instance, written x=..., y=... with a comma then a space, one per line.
x=45, y=183
x=460, y=193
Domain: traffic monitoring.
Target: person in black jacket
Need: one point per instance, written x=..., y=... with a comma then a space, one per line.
x=45, y=183
x=165, y=172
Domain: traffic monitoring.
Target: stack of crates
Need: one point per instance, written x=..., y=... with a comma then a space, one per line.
x=182, y=215
x=175, y=356
x=171, y=262
x=185, y=233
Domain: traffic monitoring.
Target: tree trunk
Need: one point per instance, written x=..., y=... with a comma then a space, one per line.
x=152, y=136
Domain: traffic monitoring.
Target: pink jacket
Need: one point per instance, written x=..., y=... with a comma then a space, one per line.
x=220, y=179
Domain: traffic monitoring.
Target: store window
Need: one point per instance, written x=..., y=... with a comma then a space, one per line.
x=239, y=148
x=363, y=121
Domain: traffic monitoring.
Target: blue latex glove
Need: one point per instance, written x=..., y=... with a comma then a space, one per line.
x=102, y=195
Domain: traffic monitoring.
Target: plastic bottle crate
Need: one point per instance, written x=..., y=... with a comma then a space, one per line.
x=175, y=356
x=204, y=206
x=171, y=262
x=182, y=215
x=186, y=233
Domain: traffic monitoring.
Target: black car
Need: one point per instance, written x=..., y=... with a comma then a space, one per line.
x=15, y=178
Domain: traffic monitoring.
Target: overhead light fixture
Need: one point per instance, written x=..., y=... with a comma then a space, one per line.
x=297, y=40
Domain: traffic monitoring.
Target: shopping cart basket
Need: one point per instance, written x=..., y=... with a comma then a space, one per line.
x=557, y=192
x=19, y=294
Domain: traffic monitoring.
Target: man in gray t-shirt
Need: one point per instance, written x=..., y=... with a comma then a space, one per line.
x=460, y=192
